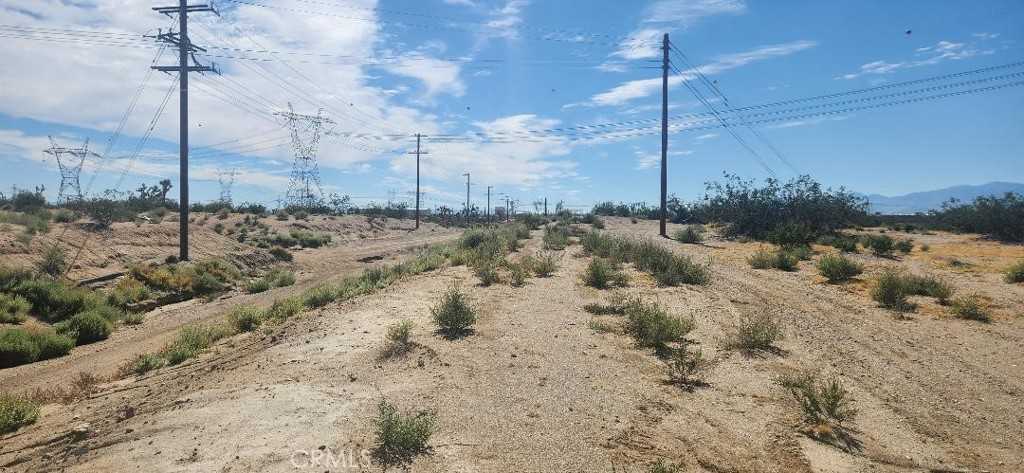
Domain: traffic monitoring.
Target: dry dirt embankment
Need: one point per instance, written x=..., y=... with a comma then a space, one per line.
x=535, y=389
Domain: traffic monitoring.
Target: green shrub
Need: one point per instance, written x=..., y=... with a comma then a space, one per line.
x=307, y=239
x=245, y=318
x=16, y=412
x=319, y=296
x=54, y=301
x=453, y=314
x=927, y=286
x=689, y=234
x=756, y=333
x=838, y=268
x=283, y=309
x=841, y=242
x=800, y=252
x=86, y=327
x=881, y=245
x=53, y=261
x=556, y=237
x=257, y=285
x=191, y=341
x=400, y=438
x=904, y=246
x=127, y=291
x=661, y=466
x=824, y=403
x=12, y=277
x=970, y=307
x=1015, y=273
x=13, y=309
x=517, y=274
x=652, y=327
x=19, y=346
x=545, y=264
x=397, y=339
x=682, y=365
x=487, y=272
x=778, y=259
x=602, y=274
x=145, y=363
x=679, y=270
x=1001, y=217
x=281, y=254
x=65, y=216
x=890, y=292
x=218, y=227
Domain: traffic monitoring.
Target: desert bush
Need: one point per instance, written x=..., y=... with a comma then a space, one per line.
x=800, y=252
x=133, y=318
x=556, y=237
x=127, y=291
x=927, y=286
x=308, y=239
x=12, y=277
x=881, y=245
x=793, y=213
x=13, y=309
x=281, y=254
x=281, y=215
x=970, y=307
x=65, y=216
x=245, y=318
x=19, y=346
x=545, y=264
x=16, y=412
x=602, y=274
x=203, y=278
x=86, y=327
x=890, y=292
x=925, y=247
x=52, y=262
x=54, y=301
x=517, y=274
x=218, y=227
x=453, y=314
x=191, y=341
x=301, y=215
x=661, y=466
x=487, y=271
x=35, y=223
x=682, y=365
x=401, y=437
x=999, y=217
x=145, y=363
x=689, y=234
x=617, y=305
x=319, y=296
x=778, y=259
x=652, y=327
x=223, y=214
x=276, y=277
x=397, y=339
x=283, y=309
x=668, y=268
x=838, y=268
x=825, y=404
x=904, y=246
x=1015, y=273
x=756, y=333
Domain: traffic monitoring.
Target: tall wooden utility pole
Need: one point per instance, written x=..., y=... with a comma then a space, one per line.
x=185, y=50
x=467, y=196
x=489, y=204
x=664, y=134
x=418, y=153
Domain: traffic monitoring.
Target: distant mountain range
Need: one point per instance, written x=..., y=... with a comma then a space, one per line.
x=925, y=201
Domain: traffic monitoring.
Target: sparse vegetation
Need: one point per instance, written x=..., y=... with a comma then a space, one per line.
x=281, y=254
x=19, y=346
x=880, y=245
x=970, y=307
x=453, y=314
x=825, y=404
x=556, y=237
x=13, y=309
x=86, y=327
x=651, y=326
x=602, y=274
x=838, y=268
x=127, y=291
x=1015, y=273
x=245, y=318
x=16, y=412
x=904, y=246
x=52, y=262
x=683, y=365
x=545, y=264
x=689, y=234
x=999, y=217
x=756, y=333
x=276, y=277
x=778, y=259
x=668, y=268
x=397, y=339
x=401, y=437
x=890, y=292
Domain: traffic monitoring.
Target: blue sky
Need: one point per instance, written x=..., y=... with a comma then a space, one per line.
x=511, y=66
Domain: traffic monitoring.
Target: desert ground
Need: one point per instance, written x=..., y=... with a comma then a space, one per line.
x=536, y=388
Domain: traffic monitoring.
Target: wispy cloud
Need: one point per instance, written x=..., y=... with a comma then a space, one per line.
x=666, y=16
x=939, y=52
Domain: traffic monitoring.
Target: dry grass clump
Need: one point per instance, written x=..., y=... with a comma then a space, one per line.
x=16, y=412
x=668, y=268
x=602, y=274
x=682, y=366
x=893, y=287
x=453, y=314
x=53, y=261
x=971, y=308
x=838, y=268
x=556, y=237
x=19, y=346
x=826, y=406
x=880, y=245
x=1015, y=273
x=545, y=264
x=277, y=277
x=13, y=309
x=398, y=339
x=401, y=437
x=693, y=234
x=756, y=333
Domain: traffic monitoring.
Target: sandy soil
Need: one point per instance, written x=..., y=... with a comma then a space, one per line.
x=535, y=389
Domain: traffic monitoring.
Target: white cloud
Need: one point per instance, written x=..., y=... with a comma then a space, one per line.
x=504, y=21
x=937, y=53
x=986, y=35
x=647, y=160
x=706, y=136
x=437, y=75
x=635, y=89
x=688, y=12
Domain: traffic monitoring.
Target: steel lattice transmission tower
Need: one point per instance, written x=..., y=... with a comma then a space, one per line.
x=69, y=161
x=226, y=179
x=304, y=186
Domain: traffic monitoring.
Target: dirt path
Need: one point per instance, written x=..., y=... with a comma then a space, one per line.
x=535, y=389
x=314, y=267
